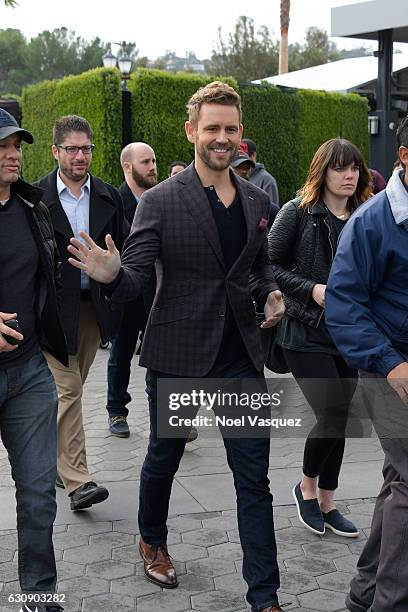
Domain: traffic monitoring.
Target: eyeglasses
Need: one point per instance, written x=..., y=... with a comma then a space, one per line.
x=73, y=150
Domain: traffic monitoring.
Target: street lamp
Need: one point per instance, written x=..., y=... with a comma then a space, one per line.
x=109, y=60
x=125, y=63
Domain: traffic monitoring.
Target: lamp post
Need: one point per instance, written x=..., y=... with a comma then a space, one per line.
x=124, y=63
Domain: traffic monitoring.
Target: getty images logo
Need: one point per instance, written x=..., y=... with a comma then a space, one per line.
x=26, y=609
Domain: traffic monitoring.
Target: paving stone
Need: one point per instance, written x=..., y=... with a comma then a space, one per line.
x=87, y=554
x=194, y=584
x=231, y=582
x=8, y=572
x=347, y=564
x=325, y=549
x=66, y=540
x=126, y=526
x=6, y=554
x=127, y=553
x=230, y=550
x=9, y=541
x=180, y=524
x=89, y=527
x=337, y=581
x=109, y=602
x=223, y=522
x=187, y=552
x=113, y=539
x=134, y=586
x=173, y=537
x=327, y=601
x=110, y=569
x=296, y=535
x=289, y=551
x=314, y=566
x=210, y=567
x=217, y=601
x=66, y=570
x=205, y=537
x=167, y=601
x=356, y=546
x=84, y=586
x=296, y=582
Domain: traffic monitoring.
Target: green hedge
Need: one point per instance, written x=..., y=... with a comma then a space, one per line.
x=287, y=125
x=271, y=119
x=159, y=112
x=330, y=115
x=95, y=95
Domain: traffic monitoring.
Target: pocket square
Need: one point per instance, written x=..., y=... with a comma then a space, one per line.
x=263, y=224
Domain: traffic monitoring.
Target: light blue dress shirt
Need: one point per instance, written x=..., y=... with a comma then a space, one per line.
x=77, y=211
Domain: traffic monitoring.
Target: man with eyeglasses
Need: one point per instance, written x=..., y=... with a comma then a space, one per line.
x=78, y=201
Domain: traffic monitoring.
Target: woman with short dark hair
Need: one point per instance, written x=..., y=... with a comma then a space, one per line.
x=302, y=245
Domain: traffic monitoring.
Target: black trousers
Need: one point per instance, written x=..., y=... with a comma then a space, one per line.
x=248, y=459
x=328, y=385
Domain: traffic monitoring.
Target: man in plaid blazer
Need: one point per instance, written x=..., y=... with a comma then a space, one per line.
x=205, y=231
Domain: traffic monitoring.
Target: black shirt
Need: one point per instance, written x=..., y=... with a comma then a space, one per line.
x=19, y=261
x=232, y=232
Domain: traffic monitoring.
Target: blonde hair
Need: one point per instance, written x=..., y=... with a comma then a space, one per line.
x=334, y=153
x=216, y=92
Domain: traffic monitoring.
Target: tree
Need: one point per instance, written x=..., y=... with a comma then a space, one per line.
x=14, y=69
x=246, y=55
x=284, y=29
x=11, y=3
x=50, y=55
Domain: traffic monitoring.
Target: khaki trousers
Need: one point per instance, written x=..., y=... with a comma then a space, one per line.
x=72, y=466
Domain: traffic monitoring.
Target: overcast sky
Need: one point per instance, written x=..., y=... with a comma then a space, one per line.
x=158, y=25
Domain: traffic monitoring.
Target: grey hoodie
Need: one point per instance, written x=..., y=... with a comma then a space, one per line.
x=261, y=178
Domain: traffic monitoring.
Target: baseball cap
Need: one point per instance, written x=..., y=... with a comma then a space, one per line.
x=247, y=146
x=9, y=126
x=240, y=159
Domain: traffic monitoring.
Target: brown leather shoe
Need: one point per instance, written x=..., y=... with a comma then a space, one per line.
x=157, y=565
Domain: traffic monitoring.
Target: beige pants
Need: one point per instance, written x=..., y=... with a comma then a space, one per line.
x=72, y=465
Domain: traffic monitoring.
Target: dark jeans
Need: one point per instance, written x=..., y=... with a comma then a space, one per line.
x=328, y=385
x=249, y=461
x=120, y=358
x=28, y=427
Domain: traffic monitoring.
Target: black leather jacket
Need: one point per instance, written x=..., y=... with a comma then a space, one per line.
x=301, y=250
x=50, y=330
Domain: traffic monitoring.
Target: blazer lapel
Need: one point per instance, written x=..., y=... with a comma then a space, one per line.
x=51, y=199
x=101, y=209
x=197, y=202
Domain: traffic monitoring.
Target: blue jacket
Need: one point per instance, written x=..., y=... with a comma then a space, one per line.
x=367, y=290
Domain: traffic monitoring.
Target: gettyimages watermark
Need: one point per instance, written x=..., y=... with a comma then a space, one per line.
x=279, y=407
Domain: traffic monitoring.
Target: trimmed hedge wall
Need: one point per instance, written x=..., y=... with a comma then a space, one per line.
x=324, y=116
x=271, y=119
x=95, y=95
x=287, y=125
x=159, y=112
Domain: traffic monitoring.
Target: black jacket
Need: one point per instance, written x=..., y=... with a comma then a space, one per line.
x=301, y=250
x=106, y=216
x=143, y=303
x=50, y=329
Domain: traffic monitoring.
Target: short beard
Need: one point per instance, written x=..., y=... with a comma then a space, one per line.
x=146, y=182
x=205, y=156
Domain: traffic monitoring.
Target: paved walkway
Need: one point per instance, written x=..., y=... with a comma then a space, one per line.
x=99, y=567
